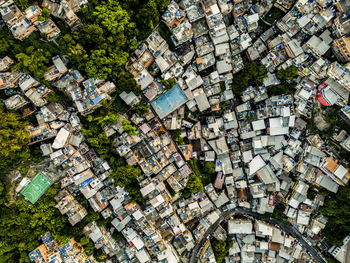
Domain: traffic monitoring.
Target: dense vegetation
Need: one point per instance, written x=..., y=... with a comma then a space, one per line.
x=221, y=248
x=204, y=170
x=14, y=140
x=100, y=49
x=337, y=209
x=252, y=73
x=273, y=15
x=287, y=85
x=203, y=175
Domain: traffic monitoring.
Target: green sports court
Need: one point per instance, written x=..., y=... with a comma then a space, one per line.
x=36, y=188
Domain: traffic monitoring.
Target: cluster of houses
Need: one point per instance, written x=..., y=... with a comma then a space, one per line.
x=255, y=240
x=263, y=153
x=87, y=94
x=261, y=147
x=52, y=251
x=22, y=24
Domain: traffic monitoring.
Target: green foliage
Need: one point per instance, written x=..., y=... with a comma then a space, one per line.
x=273, y=15
x=110, y=118
x=176, y=135
x=169, y=83
x=194, y=184
x=278, y=214
x=14, y=139
x=102, y=64
x=311, y=193
x=141, y=108
x=283, y=88
x=22, y=4
x=287, y=74
x=204, y=170
x=78, y=56
x=221, y=248
x=45, y=14
x=338, y=225
x=166, y=34
x=117, y=236
x=286, y=86
x=125, y=175
x=90, y=35
x=22, y=224
x=127, y=83
x=208, y=167
x=113, y=18
x=97, y=139
x=330, y=260
x=128, y=128
x=147, y=18
x=92, y=215
x=33, y=61
x=2, y=188
x=332, y=118
x=253, y=72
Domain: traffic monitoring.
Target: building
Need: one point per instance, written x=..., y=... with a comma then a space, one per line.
x=340, y=73
x=341, y=48
x=67, y=205
x=342, y=254
x=52, y=251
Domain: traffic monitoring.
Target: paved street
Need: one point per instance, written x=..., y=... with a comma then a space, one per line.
x=240, y=211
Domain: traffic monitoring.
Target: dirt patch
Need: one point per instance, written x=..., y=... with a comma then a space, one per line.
x=319, y=119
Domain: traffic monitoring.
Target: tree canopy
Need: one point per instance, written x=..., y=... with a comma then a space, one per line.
x=194, y=185
x=338, y=225
x=169, y=83
x=288, y=73
x=21, y=226
x=125, y=175
x=221, y=248
x=14, y=139
x=34, y=61
x=253, y=72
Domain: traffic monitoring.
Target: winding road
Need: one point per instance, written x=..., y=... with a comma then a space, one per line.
x=245, y=212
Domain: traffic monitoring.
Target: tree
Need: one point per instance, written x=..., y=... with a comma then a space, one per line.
x=209, y=167
x=110, y=118
x=125, y=175
x=92, y=216
x=194, y=184
x=287, y=74
x=45, y=14
x=14, y=139
x=338, y=225
x=21, y=225
x=147, y=18
x=127, y=83
x=33, y=61
x=102, y=64
x=141, y=108
x=78, y=55
x=253, y=72
x=22, y=4
x=128, y=128
x=66, y=42
x=169, y=83
x=219, y=248
x=90, y=35
x=5, y=45
x=115, y=20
